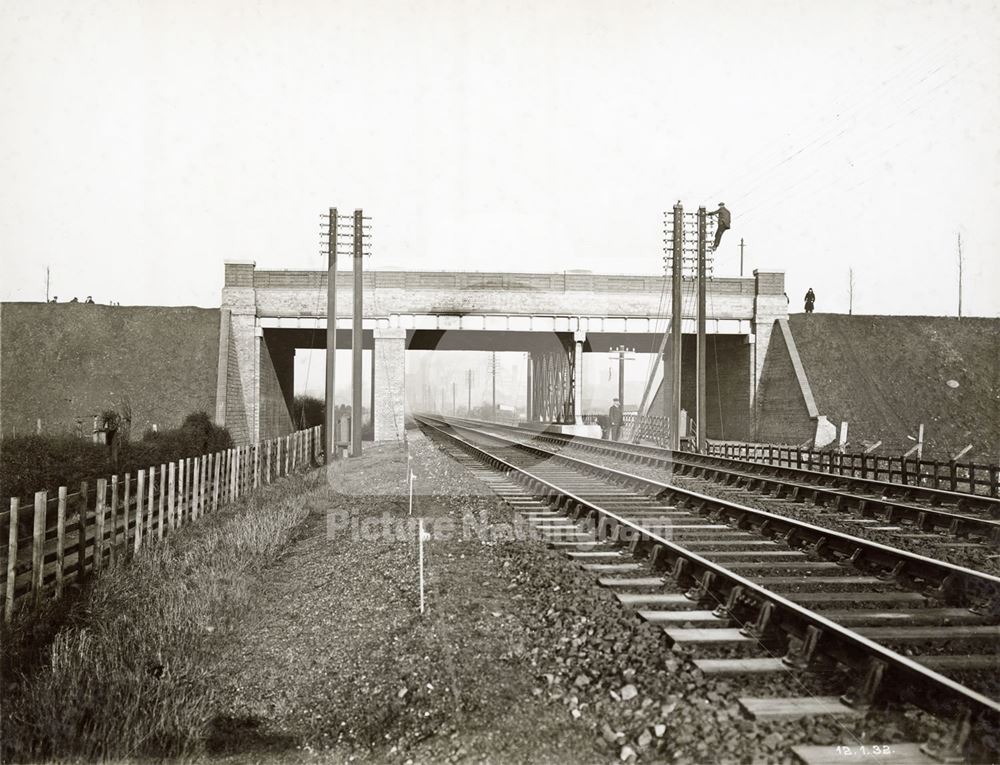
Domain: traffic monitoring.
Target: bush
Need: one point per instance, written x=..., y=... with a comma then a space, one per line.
x=32, y=463
x=308, y=411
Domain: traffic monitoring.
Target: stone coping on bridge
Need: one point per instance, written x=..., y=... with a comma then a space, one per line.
x=245, y=275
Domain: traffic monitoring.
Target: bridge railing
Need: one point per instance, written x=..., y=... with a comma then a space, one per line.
x=968, y=477
x=65, y=537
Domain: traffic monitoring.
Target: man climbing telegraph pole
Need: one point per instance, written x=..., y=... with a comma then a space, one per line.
x=723, y=223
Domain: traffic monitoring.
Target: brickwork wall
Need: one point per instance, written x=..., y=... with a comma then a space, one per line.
x=64, y=361
x=727, y=390
x=236, y=411
x=782, y=417
x=276, y=389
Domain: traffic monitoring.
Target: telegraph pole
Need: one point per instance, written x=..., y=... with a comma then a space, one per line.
x=741, y=256
x=673, y=413
x=46, y=284
x=331, y=337
x=468, y=382
x=850, y=291
x=454, y=393
x=356, y=337
x=700, y=369
x=960, y=274
x=620, y=352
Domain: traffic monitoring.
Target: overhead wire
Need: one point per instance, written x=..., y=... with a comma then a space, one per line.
x=867, y=154
x=870, y=96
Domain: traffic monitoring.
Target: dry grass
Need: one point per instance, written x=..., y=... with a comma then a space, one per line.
x=125, y=677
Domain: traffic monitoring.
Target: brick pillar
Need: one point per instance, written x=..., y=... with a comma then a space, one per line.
x=243, y=376
x=389, y=383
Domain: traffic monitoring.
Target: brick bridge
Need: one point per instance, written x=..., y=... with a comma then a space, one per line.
x=555, y=317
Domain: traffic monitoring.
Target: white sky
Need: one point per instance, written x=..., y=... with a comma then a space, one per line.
x=144, y=143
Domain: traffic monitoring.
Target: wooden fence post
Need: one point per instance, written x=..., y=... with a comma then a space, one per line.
x=234, y=471
x=114, y=519
x=81, y=534
x=38, y=545
x=196, y=489
x=163, y=500
x=60, y=540
x=267, y=462
x=171, y=492
x=215, y=483
x=140, y=488
x=256, y=465
x=150, y=502
x=8, y=603
x=125, y=508
x=102, y=493
x=288, y=455
x=181, y=490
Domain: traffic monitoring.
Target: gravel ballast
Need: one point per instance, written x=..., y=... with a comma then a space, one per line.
x=520, y=657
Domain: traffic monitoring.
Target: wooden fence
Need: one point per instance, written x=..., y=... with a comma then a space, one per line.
x=68, y=537
x=968, y=477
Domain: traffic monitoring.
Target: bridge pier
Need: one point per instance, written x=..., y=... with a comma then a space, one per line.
x=388, y=383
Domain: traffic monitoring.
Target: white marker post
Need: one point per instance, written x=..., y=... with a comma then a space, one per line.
x=422, y=536
x=412, y=476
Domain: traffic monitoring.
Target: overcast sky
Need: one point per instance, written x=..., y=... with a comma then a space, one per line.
x=143, y=143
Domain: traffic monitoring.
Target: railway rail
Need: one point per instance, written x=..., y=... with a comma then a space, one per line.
x=761, y=594
x=924, y=508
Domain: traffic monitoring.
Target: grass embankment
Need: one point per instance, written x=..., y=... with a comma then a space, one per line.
x=125, y=676
x=887, y=375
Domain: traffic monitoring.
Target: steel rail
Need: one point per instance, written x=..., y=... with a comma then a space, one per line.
x=961, y=499
x=885, y=672
x=924, y=517
x=954, y=584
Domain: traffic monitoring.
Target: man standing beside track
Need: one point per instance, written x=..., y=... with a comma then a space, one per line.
x=615, y=419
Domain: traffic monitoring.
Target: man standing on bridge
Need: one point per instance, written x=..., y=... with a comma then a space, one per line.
x=723, y=224
x=615, y=419
x=810, y=300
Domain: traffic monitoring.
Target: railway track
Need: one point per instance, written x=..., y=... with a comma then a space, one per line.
x=920, y=508
x=846, y=625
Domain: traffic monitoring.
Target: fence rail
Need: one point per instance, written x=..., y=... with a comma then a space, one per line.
x=968, y=477
x=56, y=540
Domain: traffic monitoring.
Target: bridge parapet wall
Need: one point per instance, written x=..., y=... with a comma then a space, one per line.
x=302, y=294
